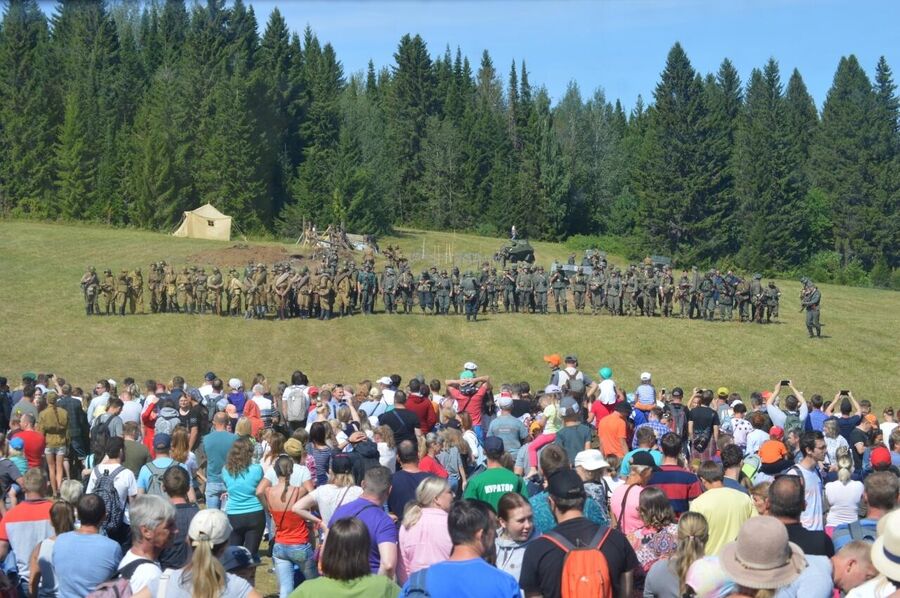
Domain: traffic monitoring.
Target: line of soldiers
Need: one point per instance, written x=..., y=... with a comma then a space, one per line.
x=333, y=290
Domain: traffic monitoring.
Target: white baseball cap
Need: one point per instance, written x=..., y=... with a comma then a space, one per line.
x=552, y=389
x=235, y=383
x=591, y=460
x=470, y=365
x=645, y=376
x=384, y=380
x=210, y=525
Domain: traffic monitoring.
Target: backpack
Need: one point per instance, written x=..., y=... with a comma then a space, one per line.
x=678, y=421
x=105, y=488
x=166, y=425
x=792, y=422
x=100, y=432
x=416, y=586
x=857, y=532
x=154, y=486
x=297, y=401
x=575, y=386
x=585, y=570
x=120, y=585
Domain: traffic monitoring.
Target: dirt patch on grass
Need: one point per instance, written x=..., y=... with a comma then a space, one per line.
x=240, y=253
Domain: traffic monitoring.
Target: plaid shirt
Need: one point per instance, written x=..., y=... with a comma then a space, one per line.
x=660, y=430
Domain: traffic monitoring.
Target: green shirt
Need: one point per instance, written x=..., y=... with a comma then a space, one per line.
x=491, y=484
x=370, y=586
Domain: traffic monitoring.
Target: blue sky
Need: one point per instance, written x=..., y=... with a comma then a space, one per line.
x=617, y=45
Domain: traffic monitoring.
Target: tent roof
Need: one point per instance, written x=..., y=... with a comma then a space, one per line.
x=208, y=212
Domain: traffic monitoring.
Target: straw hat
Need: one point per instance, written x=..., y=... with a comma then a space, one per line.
x=886, y=549
x=762, y=558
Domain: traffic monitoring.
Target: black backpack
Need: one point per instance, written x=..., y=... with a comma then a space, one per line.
x=100, y=432
x=105, y=488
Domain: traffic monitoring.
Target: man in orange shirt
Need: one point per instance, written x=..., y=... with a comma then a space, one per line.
x=612, y=431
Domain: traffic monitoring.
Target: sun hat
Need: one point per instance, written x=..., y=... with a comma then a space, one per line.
x=234, y=383
x=210, y=525
x=762, y=557
x=470, y=365
x=605, y=373
x=553, y=360
x=591, y=460
x=645, y=377
x=293, y=448
x=886, y=549
x=722, y=392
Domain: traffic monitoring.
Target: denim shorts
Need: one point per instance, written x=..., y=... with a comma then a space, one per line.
x=60, y=450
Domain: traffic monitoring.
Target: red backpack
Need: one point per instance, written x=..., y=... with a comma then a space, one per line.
x=585, y=572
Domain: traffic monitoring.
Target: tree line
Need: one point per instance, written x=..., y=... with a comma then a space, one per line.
x=130, y=114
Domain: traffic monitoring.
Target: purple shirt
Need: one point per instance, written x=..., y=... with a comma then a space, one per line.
x=381, y=526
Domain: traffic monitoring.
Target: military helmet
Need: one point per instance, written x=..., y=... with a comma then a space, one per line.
x=443, y=273
x=92, y=269
x=107, y=271
x=216, y=269
x=124, y=271
x=757, y=276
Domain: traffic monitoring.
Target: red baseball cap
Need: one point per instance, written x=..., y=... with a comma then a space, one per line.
x=776, y=432
x=880, y=456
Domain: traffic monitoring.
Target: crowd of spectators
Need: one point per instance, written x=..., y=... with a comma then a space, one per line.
x=456, y=488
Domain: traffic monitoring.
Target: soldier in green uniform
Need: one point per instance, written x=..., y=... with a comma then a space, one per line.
x=405, y=285
x=541, y=285
x=725, y=294
x=559, y=282
x=579, y=288
x=90, y=285
x=667, y=292
x=456, y=297
x=629, y=296
x=389, y=288
x=135, y=291
x=182, y=282
x=596, y=286
x=742, y=296
x=490, y=290
x=707, y=292
x=810, y=299
x=442, y=289
x=614, y=290
x=683, y=294
x=121, y=292
x=367, y=287
x=499, y=290
x=470, y=294
x=772, y=299
x=170, y=284
x=524, y=289
x=483, y=296
x=696, y=300
x=353, y=273
x=302, y=284
x=509, y=291
x=201, y=290
x=153, y=282
x=757, y=299
x=214, y=286
x=423, y=290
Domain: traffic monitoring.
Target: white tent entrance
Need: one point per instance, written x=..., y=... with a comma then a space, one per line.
x=206, y=222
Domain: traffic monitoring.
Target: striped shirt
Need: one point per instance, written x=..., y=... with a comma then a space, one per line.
x=679, y=485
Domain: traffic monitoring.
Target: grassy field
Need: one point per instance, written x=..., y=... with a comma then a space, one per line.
x=45, y=329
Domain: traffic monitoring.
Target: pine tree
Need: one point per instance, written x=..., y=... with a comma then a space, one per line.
x=27, y=116
x=441, y=184
x=75, y=164
x=410, y=104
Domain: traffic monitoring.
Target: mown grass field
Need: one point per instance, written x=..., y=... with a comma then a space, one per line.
x=44, y=329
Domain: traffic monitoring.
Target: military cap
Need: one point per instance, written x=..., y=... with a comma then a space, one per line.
x=443, y=273
x=92, y=269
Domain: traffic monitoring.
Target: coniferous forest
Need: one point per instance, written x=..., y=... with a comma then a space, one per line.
x=131, y=113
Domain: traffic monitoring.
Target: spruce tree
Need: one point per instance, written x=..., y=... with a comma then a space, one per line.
x=75, y=163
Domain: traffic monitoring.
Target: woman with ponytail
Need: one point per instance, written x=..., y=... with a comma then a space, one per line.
x=666, y=578
x=204, y=576
x=843, y=495
x=424, y=538
x=291, y=545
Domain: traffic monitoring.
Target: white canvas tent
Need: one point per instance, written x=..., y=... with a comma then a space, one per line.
x=206, y=222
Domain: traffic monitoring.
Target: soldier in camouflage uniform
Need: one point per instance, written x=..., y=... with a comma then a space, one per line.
x=121, y=297
x=405, y=284
x=629, y=305
x=683, y=295
x=541, y=286
x=757, y=298
x=596, y=285
x=614, y=290
x=725, y=293
x=424, y=291
x=558, y=283
x=579, y=288
x=524, y=289
x=442, y=290
x=136, y=291
x=667, y=292
x=90, y=286
x=696, y=305
x=388, y=288
x=651, y=292
x=343, y=285
x=325, y=291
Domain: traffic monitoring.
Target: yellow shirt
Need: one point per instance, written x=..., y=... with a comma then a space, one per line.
x=725, y=510
x=551, y=416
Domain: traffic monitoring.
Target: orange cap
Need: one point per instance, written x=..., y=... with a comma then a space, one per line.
x=553, y=360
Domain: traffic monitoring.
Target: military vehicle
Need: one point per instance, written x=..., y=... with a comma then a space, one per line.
x=515, y=251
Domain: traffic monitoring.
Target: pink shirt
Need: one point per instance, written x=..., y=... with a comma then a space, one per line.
x=632, y=519
x=425, y=543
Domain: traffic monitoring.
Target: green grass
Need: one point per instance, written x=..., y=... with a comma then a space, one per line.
x=45, y=329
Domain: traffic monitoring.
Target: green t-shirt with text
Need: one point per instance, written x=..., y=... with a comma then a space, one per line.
x=491, y=484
